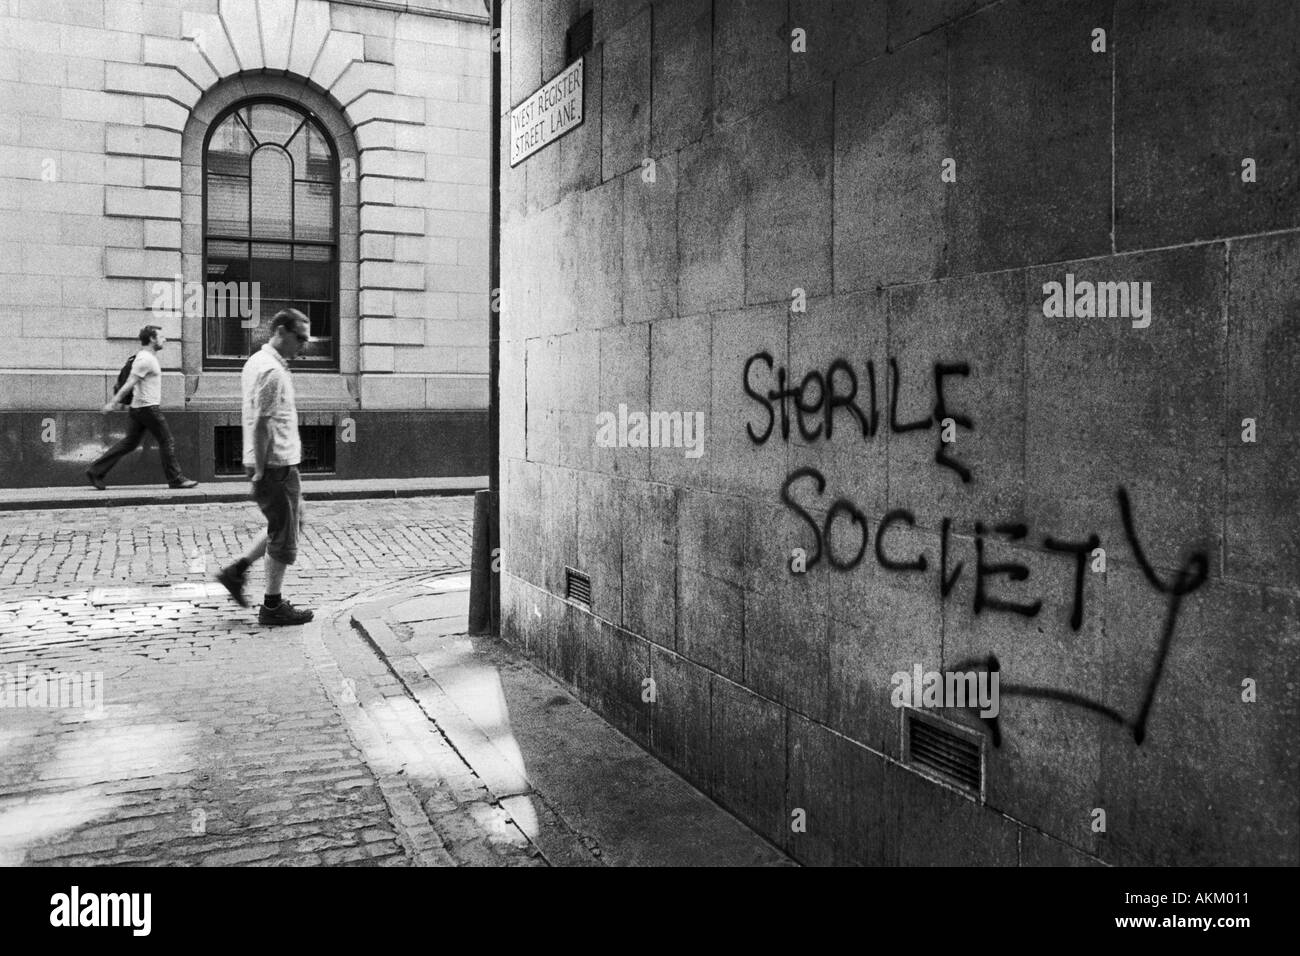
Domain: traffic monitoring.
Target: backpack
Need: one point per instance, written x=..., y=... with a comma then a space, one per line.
x=122, y=376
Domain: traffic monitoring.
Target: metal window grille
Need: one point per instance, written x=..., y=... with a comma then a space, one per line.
x=317, y=449
x=228, y=450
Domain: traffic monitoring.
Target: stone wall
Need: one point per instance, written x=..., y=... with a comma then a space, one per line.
x=872, y=224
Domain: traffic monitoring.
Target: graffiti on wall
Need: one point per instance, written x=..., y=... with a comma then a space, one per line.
x=820, y=400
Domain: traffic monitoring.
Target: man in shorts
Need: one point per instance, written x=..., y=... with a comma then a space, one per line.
x=272, y=452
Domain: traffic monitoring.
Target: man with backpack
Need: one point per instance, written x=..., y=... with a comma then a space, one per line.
x=141, y=385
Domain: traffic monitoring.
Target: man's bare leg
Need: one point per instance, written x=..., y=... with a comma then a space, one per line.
x=274, y=578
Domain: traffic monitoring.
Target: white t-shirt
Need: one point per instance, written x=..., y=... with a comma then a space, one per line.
x=268, y=393
x=148, y=390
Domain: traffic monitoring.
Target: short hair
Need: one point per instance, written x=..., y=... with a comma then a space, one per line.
x=287, y=319
x=148, y=332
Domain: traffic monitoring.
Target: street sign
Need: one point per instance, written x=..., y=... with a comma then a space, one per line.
x=548, y=114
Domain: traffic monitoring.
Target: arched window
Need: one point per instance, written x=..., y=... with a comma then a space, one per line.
x=270, y=190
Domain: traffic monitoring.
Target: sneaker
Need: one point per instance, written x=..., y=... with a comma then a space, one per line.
x=97, y=481
x=183, y=483
x=283, y=613
x=234, y=583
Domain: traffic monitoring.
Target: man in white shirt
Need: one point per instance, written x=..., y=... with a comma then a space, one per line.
x=272, y=452
x=145, y=385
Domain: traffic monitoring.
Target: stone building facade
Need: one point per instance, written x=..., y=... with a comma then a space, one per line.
x=332, y=155
x=991, y=312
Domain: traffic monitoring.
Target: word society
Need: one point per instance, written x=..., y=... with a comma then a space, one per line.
x=948, y=689
x=51, y=689
x=654, y=430
x=1098, y=300
x=102, y=909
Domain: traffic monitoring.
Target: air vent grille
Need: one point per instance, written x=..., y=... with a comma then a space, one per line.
x=944, y=752
x=578, y=40
x=577, y=587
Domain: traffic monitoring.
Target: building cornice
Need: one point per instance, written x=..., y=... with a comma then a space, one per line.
x=420, y=9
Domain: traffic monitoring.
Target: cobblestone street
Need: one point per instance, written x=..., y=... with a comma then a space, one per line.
x=219, y=741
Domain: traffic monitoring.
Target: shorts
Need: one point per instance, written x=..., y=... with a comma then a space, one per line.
x=279, y=495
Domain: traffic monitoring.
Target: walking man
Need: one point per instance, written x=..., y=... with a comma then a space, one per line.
x=272, y=452
x=145, y=383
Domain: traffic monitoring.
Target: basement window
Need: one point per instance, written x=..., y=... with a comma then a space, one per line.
x=317, y=449
x=228, y=450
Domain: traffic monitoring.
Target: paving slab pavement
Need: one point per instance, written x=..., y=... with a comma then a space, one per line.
x=573, y=784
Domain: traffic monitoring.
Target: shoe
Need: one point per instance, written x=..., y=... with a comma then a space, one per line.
x=283, y=613
x=183, y=483
x=234, y=583
x=97, y=481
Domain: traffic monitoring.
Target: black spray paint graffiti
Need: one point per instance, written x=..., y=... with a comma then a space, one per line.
x=1190, y=576
x=829, y=397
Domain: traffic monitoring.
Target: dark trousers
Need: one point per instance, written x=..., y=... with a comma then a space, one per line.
x=147, y=418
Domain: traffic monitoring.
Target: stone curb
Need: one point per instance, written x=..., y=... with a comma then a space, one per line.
x=501, y=779
x=449, y=827
x=560, y=845
x=415, y=830
x=59, y=499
